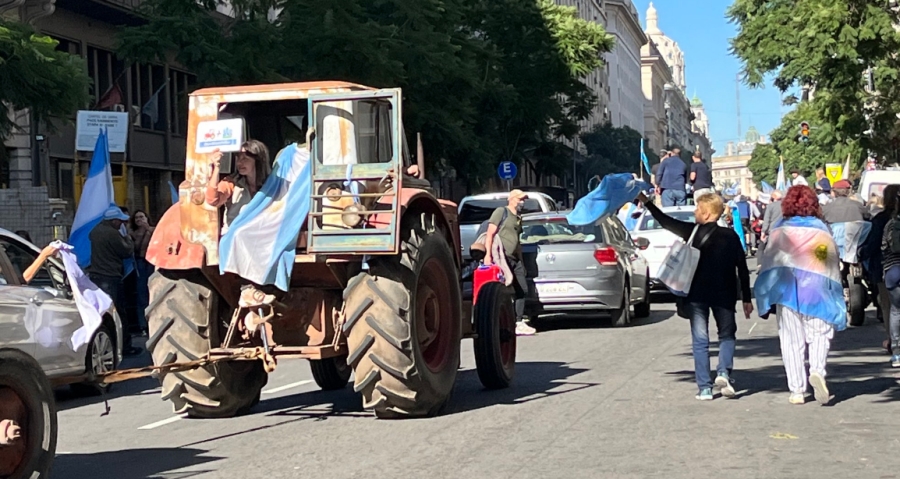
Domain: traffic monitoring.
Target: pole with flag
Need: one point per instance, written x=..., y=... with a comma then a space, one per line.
x=781, y=183
x=96, y=198
x=644, y=161
x=151, y=108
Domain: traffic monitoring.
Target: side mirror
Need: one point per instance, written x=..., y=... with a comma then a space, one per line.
x=642, y=243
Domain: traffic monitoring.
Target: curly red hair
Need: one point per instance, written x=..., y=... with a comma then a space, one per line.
x=800, y=201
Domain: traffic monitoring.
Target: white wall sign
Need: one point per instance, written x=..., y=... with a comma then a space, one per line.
x=223, y=135
x=89, y=123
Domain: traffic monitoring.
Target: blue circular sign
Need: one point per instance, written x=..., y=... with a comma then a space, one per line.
x=507, y=170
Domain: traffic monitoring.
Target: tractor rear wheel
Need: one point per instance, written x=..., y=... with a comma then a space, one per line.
x=402, y=323
x=185, y=321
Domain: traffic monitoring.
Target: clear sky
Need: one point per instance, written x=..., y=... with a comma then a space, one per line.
x=702, y=31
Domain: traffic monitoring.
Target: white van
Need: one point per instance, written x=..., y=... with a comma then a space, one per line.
x=874, y=181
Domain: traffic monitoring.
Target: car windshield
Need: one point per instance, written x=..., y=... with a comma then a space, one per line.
x=558, y=231
x=479, y=211
x=649, y=222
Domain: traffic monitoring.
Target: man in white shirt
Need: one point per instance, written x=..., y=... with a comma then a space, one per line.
x=798, y=178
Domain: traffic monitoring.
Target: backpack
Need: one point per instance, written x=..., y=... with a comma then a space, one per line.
x=478, y=249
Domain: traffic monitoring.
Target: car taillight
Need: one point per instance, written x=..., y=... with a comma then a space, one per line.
x=606, y=256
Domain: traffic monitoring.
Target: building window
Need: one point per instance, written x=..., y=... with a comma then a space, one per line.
x=106, y=71
x=180, y=85
x=149, y=97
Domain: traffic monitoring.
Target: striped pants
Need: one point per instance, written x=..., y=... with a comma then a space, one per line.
x=800, y=333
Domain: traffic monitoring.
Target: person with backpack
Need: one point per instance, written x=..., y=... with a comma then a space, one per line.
x=506, y=224
x=890, y=252
x=720, y=274
x=873, y=257
x=747, y=212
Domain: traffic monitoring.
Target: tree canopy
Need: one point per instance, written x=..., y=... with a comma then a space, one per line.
x=34, y=75
x=483, y=80
x=827, y=47
x=823, y=145
x=616, y=150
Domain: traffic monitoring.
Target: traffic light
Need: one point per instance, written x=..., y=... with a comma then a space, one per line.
x=804, y=131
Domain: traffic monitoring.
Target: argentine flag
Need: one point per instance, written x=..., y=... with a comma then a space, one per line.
x=800, y=269
x=96, y=196
x=261, y=242
x=614, y=191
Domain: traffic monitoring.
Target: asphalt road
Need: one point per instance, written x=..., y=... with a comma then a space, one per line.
x=588, y=401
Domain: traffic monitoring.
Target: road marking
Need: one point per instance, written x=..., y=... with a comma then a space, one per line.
x=286, y=387
x=163, y=422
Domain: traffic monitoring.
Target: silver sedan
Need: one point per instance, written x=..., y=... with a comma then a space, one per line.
x=584, y=269
x=39, y=318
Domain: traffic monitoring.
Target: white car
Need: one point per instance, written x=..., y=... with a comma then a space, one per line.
x=476, y=209
x=661, y=240
x=39, y=318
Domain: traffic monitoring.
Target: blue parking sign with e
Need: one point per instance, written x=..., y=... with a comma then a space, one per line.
x=507, y=170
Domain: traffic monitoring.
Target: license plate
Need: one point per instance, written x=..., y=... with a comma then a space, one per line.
x=553, y=288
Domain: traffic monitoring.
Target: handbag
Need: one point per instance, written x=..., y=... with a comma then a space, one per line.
x=478, y=249
x=677, y=270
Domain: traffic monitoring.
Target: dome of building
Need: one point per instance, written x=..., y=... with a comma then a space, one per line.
x=696, y=102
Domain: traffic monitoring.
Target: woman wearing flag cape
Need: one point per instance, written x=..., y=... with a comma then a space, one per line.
x=800, y=280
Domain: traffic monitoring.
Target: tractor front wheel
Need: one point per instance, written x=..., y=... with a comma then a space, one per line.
x=402, y=322
x=494, y=315
x=185, y=322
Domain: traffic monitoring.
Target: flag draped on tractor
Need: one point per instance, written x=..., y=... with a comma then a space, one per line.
x=261, y=242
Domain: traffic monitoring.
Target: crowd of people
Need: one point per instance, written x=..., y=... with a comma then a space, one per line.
x=797, y=236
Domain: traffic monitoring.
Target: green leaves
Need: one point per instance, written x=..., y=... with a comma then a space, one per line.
x=34, y=75
x=827, y=45
x=483, y=80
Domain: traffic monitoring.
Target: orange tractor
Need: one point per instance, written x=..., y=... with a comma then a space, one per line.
x=374, y=285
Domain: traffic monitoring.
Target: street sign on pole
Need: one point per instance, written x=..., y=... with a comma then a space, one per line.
x=507, y=170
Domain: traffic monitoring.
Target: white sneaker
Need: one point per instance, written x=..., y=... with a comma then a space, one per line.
x=820, y=389
x=796, y=398
x=723, y=382
x=523, y=329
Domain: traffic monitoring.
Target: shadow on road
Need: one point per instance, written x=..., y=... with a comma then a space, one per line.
x=67, y=399
x=533, y=381
x=581, y=321
x=857, y=366
x=131, y=464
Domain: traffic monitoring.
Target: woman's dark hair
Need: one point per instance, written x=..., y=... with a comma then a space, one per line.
x=800, y=201
x=133, y=224
x=260, y=154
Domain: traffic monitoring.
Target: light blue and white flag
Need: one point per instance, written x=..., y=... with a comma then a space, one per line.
x=781, y=183
x=606, y=199
x=96, y=196
x=800, y=269
x=261, y=242
x=644, y=159
x=174, y=192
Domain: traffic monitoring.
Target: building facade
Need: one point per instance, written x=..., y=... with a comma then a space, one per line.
x=730, y=170
x=153, y=95
x=626, y=99
x=664, y=85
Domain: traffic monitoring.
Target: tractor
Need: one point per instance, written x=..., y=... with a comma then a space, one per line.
x=374, y=284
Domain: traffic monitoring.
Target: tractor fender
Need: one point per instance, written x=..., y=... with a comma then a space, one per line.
x=417, y=201
x=168, y=248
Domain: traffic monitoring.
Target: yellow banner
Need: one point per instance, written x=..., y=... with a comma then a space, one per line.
x=834, y=171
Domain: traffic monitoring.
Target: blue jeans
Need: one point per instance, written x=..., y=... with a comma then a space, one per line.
x=725, y=322
x=674, y=198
